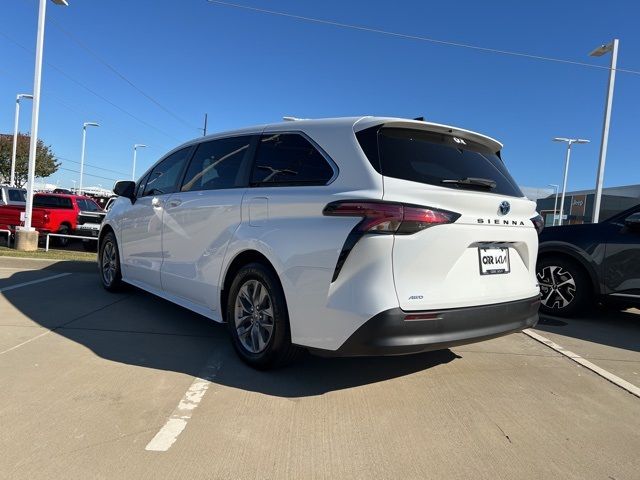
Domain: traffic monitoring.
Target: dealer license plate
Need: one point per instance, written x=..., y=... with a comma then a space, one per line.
x=494, y=260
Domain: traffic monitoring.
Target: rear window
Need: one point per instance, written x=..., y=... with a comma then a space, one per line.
x=289, y=159
x=16, y=196
x=436, y=159
x=51, y=201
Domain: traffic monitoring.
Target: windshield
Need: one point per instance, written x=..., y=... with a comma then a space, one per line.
x=436, y=159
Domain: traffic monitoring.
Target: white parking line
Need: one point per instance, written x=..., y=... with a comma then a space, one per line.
x=24, y=284
x=177, y=422
x=629, y=387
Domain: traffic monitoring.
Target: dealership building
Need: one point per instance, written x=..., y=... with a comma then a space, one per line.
x=578, y=205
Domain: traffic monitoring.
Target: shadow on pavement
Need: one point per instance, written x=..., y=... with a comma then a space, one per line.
x=137, y=328
x=620, y=329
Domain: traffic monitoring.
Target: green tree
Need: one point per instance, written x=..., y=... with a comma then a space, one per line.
x=46, y=164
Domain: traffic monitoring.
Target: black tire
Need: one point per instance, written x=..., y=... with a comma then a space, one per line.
x=277, y=349
x=63, y=241
x=111, y=277
x=565, y=287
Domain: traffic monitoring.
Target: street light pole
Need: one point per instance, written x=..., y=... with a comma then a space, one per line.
x=84, y=141
x=555, y=204
x=135, y=153
x=12, y=177
x=569, y=142
x=27, y=238
x=598, y=52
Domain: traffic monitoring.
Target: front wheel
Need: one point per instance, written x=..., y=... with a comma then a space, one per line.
x=258, y=319
x=564, y=287
x=109, y=263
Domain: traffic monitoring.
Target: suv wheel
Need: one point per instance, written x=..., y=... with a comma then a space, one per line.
x=258, y=319
x=564, y=287
x=109, y=263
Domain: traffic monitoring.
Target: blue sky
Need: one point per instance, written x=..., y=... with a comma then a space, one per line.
x=246, y=68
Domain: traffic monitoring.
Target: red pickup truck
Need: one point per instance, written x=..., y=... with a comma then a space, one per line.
x=52, y=213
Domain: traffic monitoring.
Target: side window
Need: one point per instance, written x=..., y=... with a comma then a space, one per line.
x=141, y=185
x=165, y=176
x=217, y=164
x=289, y=159
x=82, y=204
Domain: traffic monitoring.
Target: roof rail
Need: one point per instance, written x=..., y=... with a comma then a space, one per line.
x=293, y=119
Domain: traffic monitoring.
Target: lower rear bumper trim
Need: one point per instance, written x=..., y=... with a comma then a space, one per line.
x=389, y=333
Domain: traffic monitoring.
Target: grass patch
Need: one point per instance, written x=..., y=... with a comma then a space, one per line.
x=52, y=254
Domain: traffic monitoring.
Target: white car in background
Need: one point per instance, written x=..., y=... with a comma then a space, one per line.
x=349, y=236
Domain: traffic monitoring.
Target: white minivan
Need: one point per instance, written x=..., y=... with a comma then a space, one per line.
x=346, y=236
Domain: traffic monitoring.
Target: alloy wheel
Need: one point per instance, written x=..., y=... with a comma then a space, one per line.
x=253, y=316
x=557, y=287
x=109, y=263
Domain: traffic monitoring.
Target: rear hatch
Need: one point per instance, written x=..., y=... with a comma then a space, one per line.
x=486, y=255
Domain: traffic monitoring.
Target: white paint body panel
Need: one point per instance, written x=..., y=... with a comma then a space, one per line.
x=182, y=252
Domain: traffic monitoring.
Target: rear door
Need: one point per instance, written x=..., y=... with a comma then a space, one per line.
x=621, y=265
x=142, y=224
x=488, y=254
x=201, y=217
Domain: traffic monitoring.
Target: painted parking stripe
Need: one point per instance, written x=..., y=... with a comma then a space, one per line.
x=629, y=387
x=177, y=422
x=32, y=282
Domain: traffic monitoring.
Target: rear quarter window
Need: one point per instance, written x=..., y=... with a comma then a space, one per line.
x=435, y=159
x=51, y=201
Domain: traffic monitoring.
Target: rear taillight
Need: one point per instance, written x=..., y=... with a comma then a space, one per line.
x=383, y=218
x=538, y=222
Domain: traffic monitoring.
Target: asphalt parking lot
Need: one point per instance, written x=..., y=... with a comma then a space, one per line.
x=97, y=385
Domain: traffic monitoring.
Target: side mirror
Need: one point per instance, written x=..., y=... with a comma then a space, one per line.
x=633, y=221
x=125, y=188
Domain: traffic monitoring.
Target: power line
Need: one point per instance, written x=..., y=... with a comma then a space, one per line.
x=82, y=112
x=90, y=90
x=121, y=75
x=415, y=37
x=87, y=174
x=90, y=165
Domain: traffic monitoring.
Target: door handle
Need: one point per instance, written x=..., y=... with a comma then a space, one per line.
x=156, y=202
x=174, y=203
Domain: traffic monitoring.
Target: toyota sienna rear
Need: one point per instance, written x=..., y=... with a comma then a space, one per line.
x=350, y=236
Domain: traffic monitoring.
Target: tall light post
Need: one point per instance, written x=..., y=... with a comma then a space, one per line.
x=555, y=204
x=12, y=177
x=598, y=52
x=569, y=142
x=27, y=237
x=84, y=141
x=135, y=153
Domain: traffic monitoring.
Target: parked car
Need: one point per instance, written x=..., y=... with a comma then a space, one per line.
x=52, y=213
x=579, y=265
x=90, y=221
x=352, y=236
x=11, y=195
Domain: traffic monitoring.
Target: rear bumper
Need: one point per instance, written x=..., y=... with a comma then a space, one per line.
x=388, y=333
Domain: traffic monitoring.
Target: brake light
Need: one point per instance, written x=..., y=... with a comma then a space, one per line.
x=384, y=217
x=538, y=222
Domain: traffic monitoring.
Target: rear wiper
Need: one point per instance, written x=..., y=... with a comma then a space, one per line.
x=475, y=182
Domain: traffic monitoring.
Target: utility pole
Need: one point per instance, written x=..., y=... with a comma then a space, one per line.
x=204, y=130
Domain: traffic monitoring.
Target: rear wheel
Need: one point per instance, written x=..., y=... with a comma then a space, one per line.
x=258, y=319
x=564, y=287
x=109, y=263
x=63, y=241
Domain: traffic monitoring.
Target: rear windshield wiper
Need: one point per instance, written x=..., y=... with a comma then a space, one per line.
x=473, y=182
